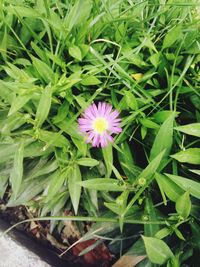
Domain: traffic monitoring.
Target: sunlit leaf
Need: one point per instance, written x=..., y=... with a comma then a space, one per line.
x=157, y=250
x=183, y=205
x=103, y=184
x=190, y=155
x=186, y=184
x=191, y=129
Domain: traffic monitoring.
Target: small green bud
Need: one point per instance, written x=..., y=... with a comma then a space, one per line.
x=140, y=200
x=145, y=218
x=142, y=181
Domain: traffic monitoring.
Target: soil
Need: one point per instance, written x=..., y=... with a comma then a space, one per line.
x=37, y=237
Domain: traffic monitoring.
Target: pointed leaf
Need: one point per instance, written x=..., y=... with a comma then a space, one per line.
x=190, y=155
x=157, y=250
x=165, y=133
x=44, y=71
x=171, y=37
x=183, y=205
x=103, y=184
x=150, y=170
x=18, y=102
x=44, y=106
x=57, y=180
x=87, y=162
x=170, y=188
x=90, y=80
x=191, y=129
x=150, y=210
x=108, y=159
x=75, y=52
x=17, y=171
x=74, y=187
x=186, y=184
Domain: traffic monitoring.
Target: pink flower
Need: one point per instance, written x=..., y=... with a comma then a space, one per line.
x=98, y=123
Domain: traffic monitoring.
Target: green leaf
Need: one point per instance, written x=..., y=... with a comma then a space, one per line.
x=171, y=189
x=179, y=234
x=53, y=139
x=150, y=170
x=13, y=122
x=157, y=250
x=57, y=180
x=41, y=53
x=44, y=106
x=183, y=205
x=195, y=227
x=29, y=190
x=108, y=159
x=186, y=184
x=87, y=162
x=75, y=52
x=103, y=184
x=62, y=112
x=163, y=233
x=113, y=207
x=163, y=115
x=18, y=102
x=74, y=179
x=54, y=206
x=71, y=129
x=172, y=36
x=155, y=59
x=191, y=129
x=150, y=210
x=78, y=14
x=143, y=131
x=81, y=145
x=41, y=168
x=190, y=155
x=131, y=100
x=17, y=171
x=127, y=162
x=149, y=123
x=147, y=175
x=44, y=71
x=119, y=205
x=36, y=149
x=23, y=11
x=165, y=133
x=90, y=80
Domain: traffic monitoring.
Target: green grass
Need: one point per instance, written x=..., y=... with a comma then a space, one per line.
x=56, y=58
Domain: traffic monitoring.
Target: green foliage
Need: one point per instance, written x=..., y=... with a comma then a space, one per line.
x=190, y=155
x=183, y=205
x=157, y=251
x=58, y=57
x=191, y=129
x=186, y=184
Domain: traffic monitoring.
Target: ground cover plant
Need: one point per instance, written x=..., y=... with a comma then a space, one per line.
x=131, y=196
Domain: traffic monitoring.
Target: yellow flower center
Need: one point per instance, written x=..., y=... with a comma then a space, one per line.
x=100, y=125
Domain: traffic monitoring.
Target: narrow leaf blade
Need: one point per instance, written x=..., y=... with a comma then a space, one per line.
x=17, y=171
x=74, y=186
x=190, y=155
x=186, y=184
x=44, y=106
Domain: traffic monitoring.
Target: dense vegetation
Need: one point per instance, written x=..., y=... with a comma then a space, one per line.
x=142, y=57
